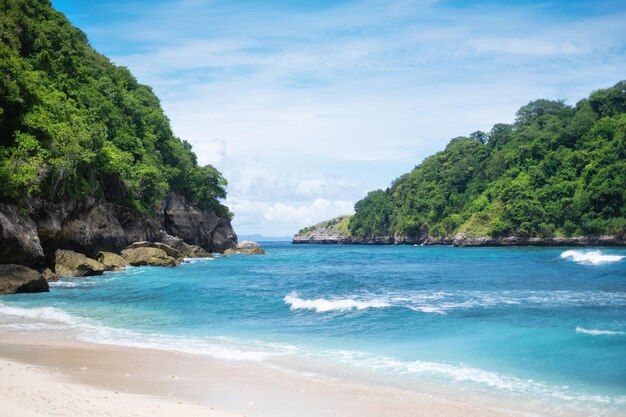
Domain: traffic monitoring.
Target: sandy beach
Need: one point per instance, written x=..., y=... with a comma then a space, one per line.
x=55, y=376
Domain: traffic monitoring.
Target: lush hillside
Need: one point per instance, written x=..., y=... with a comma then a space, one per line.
x=557, y=171
x=330, y=231
x=73, y=125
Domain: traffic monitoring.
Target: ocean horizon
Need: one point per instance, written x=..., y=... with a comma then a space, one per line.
x=542, y=327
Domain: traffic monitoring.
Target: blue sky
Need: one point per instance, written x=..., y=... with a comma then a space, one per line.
x=307, y=105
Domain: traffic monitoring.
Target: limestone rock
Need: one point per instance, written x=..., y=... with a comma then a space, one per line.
x=246, y=247
x=18, y=278
x=187, y=250
x=195, y=251
x=143, y=256
x=195, y=226
x=170, y=251
x=72, y=264
x=49, y=275
x=112, y=261
x=90, y=226
x=19, y=242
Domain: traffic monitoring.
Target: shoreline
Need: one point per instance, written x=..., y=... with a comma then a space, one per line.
x=463, y=241
x=93, y=379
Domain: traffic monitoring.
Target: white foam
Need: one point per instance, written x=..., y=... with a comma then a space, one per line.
x=597, y=332
x=54, y=319
x=198, y=260
x=444, y=302
x=591, y=257
x=322, y=305
x=48, y=314
x=466, y=374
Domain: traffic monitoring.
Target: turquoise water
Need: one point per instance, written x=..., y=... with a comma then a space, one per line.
x=547, y=324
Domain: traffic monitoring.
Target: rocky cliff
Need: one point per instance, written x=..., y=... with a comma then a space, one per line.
x=32, y=236
x=336, y=231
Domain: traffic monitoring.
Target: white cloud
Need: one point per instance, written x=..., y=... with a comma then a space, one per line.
x=211, y=152
x=328, y=103
x=288, y=217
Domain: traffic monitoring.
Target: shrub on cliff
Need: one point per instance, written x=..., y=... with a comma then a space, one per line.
x=74, y=125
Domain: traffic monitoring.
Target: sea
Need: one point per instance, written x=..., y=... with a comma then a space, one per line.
x=542, y=328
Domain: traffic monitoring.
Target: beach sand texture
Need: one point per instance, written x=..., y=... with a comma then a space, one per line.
x=79, y=379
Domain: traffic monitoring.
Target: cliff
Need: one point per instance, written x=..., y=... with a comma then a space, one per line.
x=88, y=160
x=32, y=238
x=326, y=233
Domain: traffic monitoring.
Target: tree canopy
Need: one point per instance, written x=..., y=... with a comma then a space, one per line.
x=558, y=170
x=74, y=125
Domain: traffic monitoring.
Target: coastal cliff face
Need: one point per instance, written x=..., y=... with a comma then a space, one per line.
x=32, y=238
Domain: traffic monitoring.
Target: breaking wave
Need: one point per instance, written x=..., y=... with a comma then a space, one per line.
x=591, y=258
x=322, y=305
x=53, y=319
x=597, y=332
x=443, y=302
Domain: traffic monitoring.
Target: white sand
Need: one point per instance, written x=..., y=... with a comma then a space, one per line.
x=55, y=376
x=27, y=391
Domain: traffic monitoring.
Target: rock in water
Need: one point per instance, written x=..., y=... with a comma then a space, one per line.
x=148, y=256
x=72, y=264
x=17, y=278
x=195, y=251
x=49, y=275
x=170, y=251
x=187, y=250
x=112, y=261
x=250, y=248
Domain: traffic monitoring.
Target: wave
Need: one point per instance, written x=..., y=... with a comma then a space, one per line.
x=444, y=302
x=54, y=319
x=198, y=260
x=591, y=257
x=467, y=374
x=597, y=332
x=47, y=314
x=226, y=348
x=322, y=305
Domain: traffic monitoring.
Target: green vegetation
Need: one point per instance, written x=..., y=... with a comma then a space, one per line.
x=557, y=171
x=340, y=225
x=73, y=125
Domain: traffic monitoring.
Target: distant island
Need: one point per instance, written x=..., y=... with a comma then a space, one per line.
x=556, y=176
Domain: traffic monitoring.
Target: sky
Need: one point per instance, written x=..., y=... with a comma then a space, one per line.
x=305, y=106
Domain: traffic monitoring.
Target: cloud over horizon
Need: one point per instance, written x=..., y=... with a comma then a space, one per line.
x=305, y=106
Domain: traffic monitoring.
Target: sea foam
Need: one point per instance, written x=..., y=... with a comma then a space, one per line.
x=591, y=257
x=322, y=305
x=461, y=373
x=597, y=332
x=47, y=314
x=54, y=319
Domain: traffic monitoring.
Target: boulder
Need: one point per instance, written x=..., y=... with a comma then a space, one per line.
x=196, y=226
x=72, y=264
x=187, y=250
x=246, y=247
x=170, y=251
x=112, y=261
x=19, y=242
x=143, y=256
x=49, y=275
x=18, y=278
x=195, y=251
